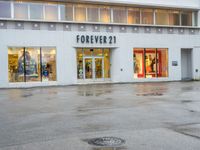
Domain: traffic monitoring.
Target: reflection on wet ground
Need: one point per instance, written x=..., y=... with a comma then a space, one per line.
x=145, y=115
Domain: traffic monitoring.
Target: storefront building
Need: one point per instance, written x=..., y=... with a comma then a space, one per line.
x=45, y=43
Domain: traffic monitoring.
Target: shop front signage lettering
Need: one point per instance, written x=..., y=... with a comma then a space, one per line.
x=96, y=39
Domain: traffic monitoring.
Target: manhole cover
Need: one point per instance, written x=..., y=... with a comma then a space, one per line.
x=106, y=141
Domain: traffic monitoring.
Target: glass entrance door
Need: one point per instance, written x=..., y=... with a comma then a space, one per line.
x=98, y=68
x=93, y=68
x=88, y=68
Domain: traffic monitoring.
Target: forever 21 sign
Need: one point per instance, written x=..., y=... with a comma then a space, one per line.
x=96, y=39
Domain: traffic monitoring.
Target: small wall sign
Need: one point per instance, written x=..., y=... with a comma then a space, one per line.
x=96, y=39
x=174, y=63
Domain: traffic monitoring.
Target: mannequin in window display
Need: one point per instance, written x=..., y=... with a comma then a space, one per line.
x=31, y=65
x=80, y=70
x=45, y=73
x=136, y=65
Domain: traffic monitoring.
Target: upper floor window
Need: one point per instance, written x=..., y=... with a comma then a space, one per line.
x=5, y=10
x=80, y=13
x=36, y=11
x=147, y=16
x=66, y=12
x=51, y=12
x=186, y=18
x=105, y=14
x=97, y=13
x=93, y=13
x=119, y=15
x=133, y=16
x=21, y=10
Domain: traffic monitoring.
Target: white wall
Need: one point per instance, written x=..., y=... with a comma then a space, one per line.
x=122, y=52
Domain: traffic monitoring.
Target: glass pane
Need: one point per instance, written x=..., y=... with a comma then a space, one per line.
x=162, y=62
x=105, y=14
x=98, y=68
x=16, y=64
x=147, y=16
x=88, y=52
x=195, y=19
x=93, y=14
x=67, y=12
x=79, y=64
x=162, y=17
x=150, y=63
x=98, y=52
x=5, y=10
x=119, y=15
x=20, y=10
x=80, y=13
x=138, y=63
x=186, y=18
x=51, y=12
x=174, y=18
x=32, y=64
x=48, y=64
x=88, y=68
x=106, y=63
x=134, y=16
x=36, y=11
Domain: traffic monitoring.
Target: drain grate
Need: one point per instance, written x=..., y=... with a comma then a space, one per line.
x=106, y=141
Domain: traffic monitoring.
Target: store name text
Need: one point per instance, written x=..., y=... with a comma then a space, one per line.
x=96, y=39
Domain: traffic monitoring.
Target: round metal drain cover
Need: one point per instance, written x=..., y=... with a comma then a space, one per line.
x=106, y=141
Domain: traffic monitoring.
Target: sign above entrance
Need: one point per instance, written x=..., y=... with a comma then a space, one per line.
x=95, y=39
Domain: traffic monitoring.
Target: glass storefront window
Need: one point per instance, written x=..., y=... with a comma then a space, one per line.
x=5, y=10
x=162, y=17
x=79, y=64
x=105, y=13
x=51, y=12
x=138, y=63
x=66, y=12
x=93, y=14
x=16, y=64
x=147, y=16
x=150, y=62
x=88, y=52
x=21, y=10
x=98, y=52
x=162, y=62
x=119, y=15
x=36, y=11
x=32, y=64
x=80, y=13
x=48, y=64
x=133, y=16
x=106, y=63
x=174, y=18
x=186, y=18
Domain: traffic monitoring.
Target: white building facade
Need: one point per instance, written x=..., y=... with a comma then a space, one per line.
x=45, y=43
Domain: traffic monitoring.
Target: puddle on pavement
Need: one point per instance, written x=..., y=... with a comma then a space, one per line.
x=150, y=94
x=186, y=101
x=27, y=95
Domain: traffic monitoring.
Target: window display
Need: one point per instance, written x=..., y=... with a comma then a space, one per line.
x=150, y=62
x=31, y=64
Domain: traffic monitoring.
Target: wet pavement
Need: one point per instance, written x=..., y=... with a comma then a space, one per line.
x=147, y=116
